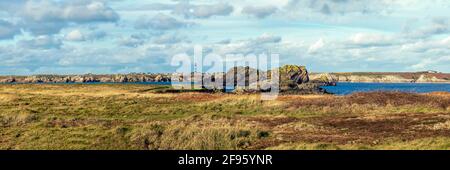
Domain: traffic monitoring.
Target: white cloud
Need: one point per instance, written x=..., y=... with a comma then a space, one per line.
x=360, y=35
x=371, y=39
x=160, y=22
x=316, y=46
x=188, y=10
x=206, y=11
x=436, y=27
x=78, y=11
x=75, y=35
x=45, y=17
x=132, y=41
x=41, y=42
x=169, y=39
x=422, y=65
x=268, y=38
x=259, y=11
x=339, y=7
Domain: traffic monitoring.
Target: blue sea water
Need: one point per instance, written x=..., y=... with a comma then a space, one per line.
x=349, y=88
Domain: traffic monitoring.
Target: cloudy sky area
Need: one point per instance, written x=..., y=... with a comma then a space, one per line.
x=122, y=36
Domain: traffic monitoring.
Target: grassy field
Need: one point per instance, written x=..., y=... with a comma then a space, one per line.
x=142, y=117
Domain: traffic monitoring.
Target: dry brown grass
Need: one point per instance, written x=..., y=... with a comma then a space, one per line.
x=378, y=99
x=197, y=132
x=136, y=117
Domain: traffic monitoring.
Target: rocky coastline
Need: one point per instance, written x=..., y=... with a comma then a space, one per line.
x=293, y=79
x=87, y=78
x=378, y=77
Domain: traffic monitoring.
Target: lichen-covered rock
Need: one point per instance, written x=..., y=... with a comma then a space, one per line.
x=291, y=76
x=294, y=73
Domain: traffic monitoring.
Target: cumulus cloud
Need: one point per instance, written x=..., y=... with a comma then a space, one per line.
x=267, y=38
x=437, y=26
x=8, y=30
x=329, y=7
x=316, y=46
x=132, y=40
x=41, y=42
x=169, y=39
x=206, y=11
x=84, y=35
x=160, y=22
x=45, y=17
x=75, y=35
x=95, y=35
x=259, y=11
x=371, y=39
x=78, y=11
x=188, y=10
x=254, y=45
x=360, y=35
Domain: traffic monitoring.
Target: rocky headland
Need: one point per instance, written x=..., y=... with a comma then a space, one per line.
x=293, y=79
x=380, y=77
x=87, y=78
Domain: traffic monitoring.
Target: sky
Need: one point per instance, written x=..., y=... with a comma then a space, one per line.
x=125, y=36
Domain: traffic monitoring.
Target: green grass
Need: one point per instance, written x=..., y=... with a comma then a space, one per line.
x=150, y=117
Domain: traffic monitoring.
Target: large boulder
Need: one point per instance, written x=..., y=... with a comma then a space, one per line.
x=291, y=76
x=294, y=73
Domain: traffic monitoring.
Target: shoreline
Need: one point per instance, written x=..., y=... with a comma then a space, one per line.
x=396, y=82
x=169, y=90
x=169, y=82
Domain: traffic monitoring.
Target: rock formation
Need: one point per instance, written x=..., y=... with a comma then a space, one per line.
x=367, y=77
x=293, y=79
x=87, y=78
x=324, y=79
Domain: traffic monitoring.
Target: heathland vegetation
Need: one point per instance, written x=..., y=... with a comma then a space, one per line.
x=132, y=116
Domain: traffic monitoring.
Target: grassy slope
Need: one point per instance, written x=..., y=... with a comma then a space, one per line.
x=138, y=117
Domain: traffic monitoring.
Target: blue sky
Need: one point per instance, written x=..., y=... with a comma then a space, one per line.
x=122, y=36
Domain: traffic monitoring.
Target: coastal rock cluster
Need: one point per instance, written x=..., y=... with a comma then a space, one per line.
x=293, y=79
x=367, y=77
x=88, y=78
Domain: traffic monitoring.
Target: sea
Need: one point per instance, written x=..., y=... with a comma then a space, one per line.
x=349, y=88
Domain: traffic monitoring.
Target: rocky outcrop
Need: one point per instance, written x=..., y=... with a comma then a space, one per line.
x=404, y=77
x=326, y=79
x=293, y=79
x=242, y=76
x=291, y=76
x=294, y=74
x=430, y=78
x=87, y=78
x=8, y=80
